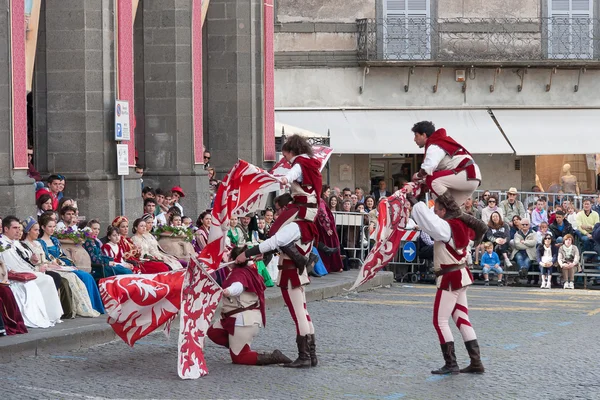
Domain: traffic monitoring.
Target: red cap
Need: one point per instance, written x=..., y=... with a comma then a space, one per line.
x=178, y=190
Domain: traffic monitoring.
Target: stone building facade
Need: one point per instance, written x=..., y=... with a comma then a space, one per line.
x=516, y=81
x=191, y=85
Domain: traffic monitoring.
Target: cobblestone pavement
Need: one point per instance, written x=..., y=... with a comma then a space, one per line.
x=376, y=345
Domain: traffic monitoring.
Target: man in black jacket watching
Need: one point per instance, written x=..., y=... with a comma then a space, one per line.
x=560, y=227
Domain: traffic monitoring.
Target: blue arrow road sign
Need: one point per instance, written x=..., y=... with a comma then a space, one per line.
x=410, y=251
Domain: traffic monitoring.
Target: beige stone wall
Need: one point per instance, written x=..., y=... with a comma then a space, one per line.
x=324, y=10
x=489, y=9
x=360, y=171
x=314, y=41
x=498, y=171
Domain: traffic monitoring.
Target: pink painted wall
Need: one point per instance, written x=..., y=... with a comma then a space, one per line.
x=197, y=80
x=18, y=84
x=269, y=87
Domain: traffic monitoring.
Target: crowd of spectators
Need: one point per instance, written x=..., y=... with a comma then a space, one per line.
x=51, y=263
x=548, y=235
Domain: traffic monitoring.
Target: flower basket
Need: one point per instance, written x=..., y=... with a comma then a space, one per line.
x=77, y=254
x=176, y=246
x=180, y=233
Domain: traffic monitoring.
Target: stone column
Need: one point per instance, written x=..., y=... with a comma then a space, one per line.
x=16, y=189
x=166, y=107
x=234, y=76
x=79, y=72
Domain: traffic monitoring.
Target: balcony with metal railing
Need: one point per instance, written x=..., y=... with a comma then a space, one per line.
x=414, y=40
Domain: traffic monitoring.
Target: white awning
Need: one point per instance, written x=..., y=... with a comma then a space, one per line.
x=539, y=132
x=294, y=130
x=388, y=131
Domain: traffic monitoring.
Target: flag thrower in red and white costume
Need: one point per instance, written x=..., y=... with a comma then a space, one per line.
x=447, y=165
x=305, y=182
x=294, y=232
x=451, y=239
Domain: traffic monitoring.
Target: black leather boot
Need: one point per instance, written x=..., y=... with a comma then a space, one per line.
x=450, y=367
x=312, y=349
x=303, y=360
x=477, y=225
x=276, y=357
x=476, y=367
x=326, y=250
x=301, y=261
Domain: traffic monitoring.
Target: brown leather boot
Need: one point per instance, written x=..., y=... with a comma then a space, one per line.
x=303, y=360
x=312, y=349
x=479, y=227
x=276, y=357
x=450, y=367
x=301, y=261
x=476, y=367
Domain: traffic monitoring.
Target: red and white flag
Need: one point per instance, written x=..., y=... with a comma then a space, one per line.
x=394, y=212
x=200, y=298
x=245, y=189
x=138, y=304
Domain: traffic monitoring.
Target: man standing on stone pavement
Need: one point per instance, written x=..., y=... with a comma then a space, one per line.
x=294, y=232
x=451, y=239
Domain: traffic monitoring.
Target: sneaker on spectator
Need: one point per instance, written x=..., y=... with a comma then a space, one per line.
x=487, y=283
x=571, y=285
x=507, y=263
x=567, y=285
x=500, y=283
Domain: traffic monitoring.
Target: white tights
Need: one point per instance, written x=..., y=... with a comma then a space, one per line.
x=295, y=299
x=452, y=303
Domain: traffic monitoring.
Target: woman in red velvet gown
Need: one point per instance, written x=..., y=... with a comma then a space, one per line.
x=132, y=254
x=10, y=314
x=328, y=236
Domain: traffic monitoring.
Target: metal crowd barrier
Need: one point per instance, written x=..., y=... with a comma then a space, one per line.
x=406, y=265
x=352, y=229
x=353, y=232
x=527, y=198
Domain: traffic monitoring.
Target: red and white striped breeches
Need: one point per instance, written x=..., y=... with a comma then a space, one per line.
x=295, y=300
x=452, y=303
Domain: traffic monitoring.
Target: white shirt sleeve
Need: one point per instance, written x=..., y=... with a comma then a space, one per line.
x=294, y=174
x=286, y=235
x=236, y=289
x=411, y=224
x=434, y=156
x=430, y=223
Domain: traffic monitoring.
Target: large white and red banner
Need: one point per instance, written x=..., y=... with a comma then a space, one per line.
x=137, y=305
x=394, y=212
x=199, y=301
x=245, y=189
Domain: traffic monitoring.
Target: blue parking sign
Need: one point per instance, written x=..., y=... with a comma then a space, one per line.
x=119, y=130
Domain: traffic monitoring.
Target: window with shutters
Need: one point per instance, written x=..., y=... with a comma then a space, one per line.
x=406, y=30
x=570, y=29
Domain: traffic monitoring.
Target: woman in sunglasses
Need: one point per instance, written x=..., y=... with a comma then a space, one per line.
x=492, y=206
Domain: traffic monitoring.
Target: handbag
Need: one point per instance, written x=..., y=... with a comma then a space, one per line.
x=21, y=276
